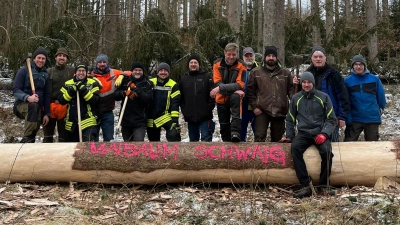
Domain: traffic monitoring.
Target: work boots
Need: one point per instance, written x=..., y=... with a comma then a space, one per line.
x=235, y=137
x=326, y=191
x=303, y=192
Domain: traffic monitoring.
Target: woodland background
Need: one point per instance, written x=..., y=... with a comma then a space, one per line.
x=152, y=31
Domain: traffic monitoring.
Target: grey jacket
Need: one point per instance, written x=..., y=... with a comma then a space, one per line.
x=313, y=113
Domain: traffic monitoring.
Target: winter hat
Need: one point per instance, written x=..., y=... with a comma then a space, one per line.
x=318, y=49
x=358, y=58
x=102, y=57
x=248, y=50
x=62, y=51
x=194, y=56
x=39, y=51
x=163, y=65
x=271, y=50
x=81, y=65
x=137, y=65
x=307, y=76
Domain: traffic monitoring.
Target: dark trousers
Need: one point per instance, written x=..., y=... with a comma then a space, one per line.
x=205, y=128
x=48, y=130
x=172, y=134
x=353, y=131
x=133, y=133
x=225, y=112
x=299, y=145
x=32, y=114
x=277, y=127
x=88, y=134
x=247, y=117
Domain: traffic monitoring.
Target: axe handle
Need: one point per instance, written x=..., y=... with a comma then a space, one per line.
x=28, y=64
x=78, y=104
x=123, y=110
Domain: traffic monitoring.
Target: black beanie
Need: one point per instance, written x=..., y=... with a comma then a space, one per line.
x=137, y=65
x=318, y=49
x=270, y=50
x=81, y=65
x=194, y=56
x=39, y=51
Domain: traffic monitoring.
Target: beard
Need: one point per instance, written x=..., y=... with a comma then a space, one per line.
x=271, y=62
x=249, y=63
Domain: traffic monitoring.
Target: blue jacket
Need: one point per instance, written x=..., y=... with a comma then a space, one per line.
x=22, y=87
x=329, y=81
x=367, y=97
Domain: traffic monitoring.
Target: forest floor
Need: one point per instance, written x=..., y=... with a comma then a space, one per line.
x=201, y=203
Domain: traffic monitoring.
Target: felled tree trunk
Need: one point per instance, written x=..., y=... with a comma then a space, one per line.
x=354, y=163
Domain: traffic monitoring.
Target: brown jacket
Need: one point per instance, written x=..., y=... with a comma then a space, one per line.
x=270, y=92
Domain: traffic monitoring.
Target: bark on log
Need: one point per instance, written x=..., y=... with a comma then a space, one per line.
x=354, y=163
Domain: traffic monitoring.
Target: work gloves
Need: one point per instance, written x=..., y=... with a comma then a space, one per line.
x=131, y=94
x=81, y=87
x=121, y=77
x=320, y=138
x=285, y=140
x=71, y=91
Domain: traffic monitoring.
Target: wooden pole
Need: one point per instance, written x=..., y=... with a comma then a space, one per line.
x=78, y=104
x=28, y=65
x=354, y=163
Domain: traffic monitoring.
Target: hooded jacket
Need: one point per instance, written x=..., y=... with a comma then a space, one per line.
x=367, y=97
x=313, y=113
x=22, y=87
x=270, y=92
x=136, y=109
x=196, y=103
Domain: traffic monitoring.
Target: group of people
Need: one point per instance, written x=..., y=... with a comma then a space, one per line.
x=79, y=102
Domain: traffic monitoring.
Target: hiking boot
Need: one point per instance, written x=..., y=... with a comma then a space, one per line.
x=235, y=137
x=304, y=192
x=326, y=191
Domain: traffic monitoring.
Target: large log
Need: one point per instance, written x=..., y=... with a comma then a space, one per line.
x=354, y=163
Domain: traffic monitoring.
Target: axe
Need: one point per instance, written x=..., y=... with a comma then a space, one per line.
x=28, y=64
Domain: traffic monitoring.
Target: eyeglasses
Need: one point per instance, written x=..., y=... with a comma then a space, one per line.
x=358, y=64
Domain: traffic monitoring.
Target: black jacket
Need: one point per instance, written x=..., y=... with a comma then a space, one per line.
x=136, y=110
x=196, y=103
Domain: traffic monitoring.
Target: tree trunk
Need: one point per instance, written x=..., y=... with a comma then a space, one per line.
x=274, y=26
x=155, y=163
x=234, y=14
x=329, y=20
x=316, y=32
x=372, y=43
x=347, y=13
x=385, y=9
x=192, y=12
x=260, y=7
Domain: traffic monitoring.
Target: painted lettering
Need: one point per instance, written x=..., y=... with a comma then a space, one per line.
x=168, y=151
x=129, y=150
x=201, y=149
x=277, y=154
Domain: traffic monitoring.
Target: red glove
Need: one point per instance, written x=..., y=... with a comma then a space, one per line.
x=320, y=138
x=285, y=140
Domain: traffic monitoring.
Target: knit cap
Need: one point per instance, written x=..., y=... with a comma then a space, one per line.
x=194, y=56
x=39, y=51
x=271, y=50
x=307, y=76
x=318, y=49
x=81, y=65
x=358, y=58
x=163, y=65
x=102, y=57
x=137, y=65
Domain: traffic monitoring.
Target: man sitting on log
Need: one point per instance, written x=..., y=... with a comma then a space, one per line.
x=313, y=111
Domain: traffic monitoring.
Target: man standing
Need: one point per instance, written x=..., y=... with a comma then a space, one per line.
x=58, y=75
x=313, y=112
x=367, y=101
x=88, y=90
x=109, y=78
x=269, y=90
x=137, y=90
x=196, y=103
x=247, y=112
x=229, y=74
x=329, y=81
x=164, y=111
x=30, y=100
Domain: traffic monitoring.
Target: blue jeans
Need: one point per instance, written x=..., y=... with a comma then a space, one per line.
x=335, y=134
x=206, y=128
x=106, y=123
x=247, y=117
